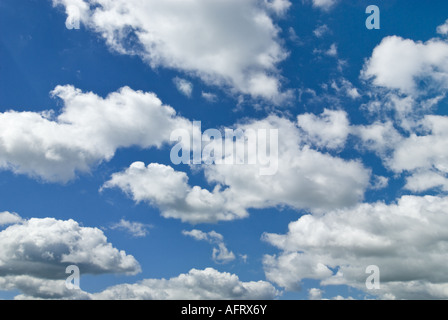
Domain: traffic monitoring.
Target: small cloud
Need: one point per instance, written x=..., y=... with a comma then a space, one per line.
x=315, y=294
x=183, y=86
x=324, y=4
x=333, y=51
x=136, y=229
x=220, y=253
x=320, y=31
x=443, y=29
x=210, y=97
x=342, y=64
x=294, y=37
x=243, y=257
x=346, y=88
x=278, y=6
x=379, y=182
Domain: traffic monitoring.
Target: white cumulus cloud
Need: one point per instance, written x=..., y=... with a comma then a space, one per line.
x=407, y=240
x=7, y=218
x=232, y=43
x=88, y=130
x=207, y=284
x=306, y=179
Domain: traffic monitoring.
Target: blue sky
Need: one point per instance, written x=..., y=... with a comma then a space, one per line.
x=362, y=175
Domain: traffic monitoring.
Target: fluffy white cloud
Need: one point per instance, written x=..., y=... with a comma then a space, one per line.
x=409, y=79
x=136, y=229
x=305, y=179
x=278, y=6
x=328, y=130
x=184, y=86
x=87, y=131
x=208, y=284
x=406, y=240
x=428, y=149
x=424, y=155
x=443, y=29
x=398, y=63
x=34, y=288
x=380, y=137
x=36, y=252
x=315, y=294
x=229, y=43
x=425, y=180
x=332, y=51
x=162, y=186
x=220, y=253
x=7, y=218
x=44, y=247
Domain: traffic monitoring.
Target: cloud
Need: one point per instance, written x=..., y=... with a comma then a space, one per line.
x=330, y=52
x=184, y=86
x=328, y=130
x=346, y=87
x=324, y=4
x=207, y=284
x=7, y=218
x=44, y=247
x=443, y=29
x=403, y=64
x=212, y=236
x=33, y=288
x=406, y=240
x=210, y=97
x=280, y=7
x=333, y=51
x=220, y=253
x=136, y=229
x=231, y=44
x=428, y=165
x=306, y=179
x=88, y=130
x=167, y=189
x=315, y=294
x=321, y=30
x=426, y=169
x=379, y=137
x=36, y=252
x=408, y=80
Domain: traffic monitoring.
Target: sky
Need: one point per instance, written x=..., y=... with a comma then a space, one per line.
x=94, y=94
